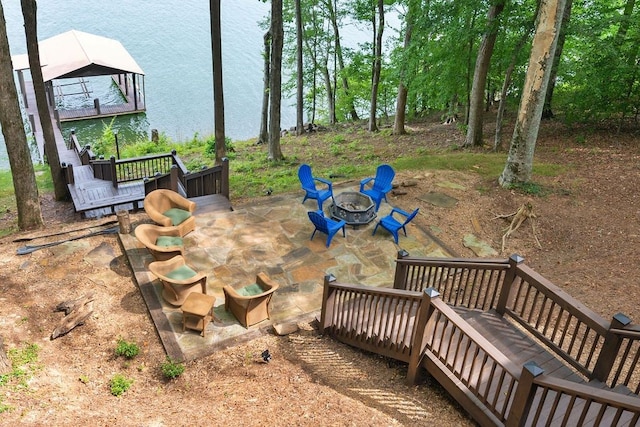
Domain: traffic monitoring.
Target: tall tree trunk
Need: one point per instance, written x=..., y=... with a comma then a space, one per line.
x=29, y=13
x=331, y=8
x=547, y=112
x=401, y=100
x=24, y=178
x=519, y=165
x=263, y=138
x=377, y=65
x=275, y=86
x=331, y=104
x=299, y=79
x=476, y=101
x=218, y=94
x=497, y=143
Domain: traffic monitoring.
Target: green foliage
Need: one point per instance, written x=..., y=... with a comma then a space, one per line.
x=128, y=350
x=119, y=384
x=530, y=188
x=171, y=369
x=24, y=363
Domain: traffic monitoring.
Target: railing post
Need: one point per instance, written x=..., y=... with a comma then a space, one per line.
x=401, y=270
x=68, y=173
x=114, y=173
x=224, y=184
x=327, y=303
x=423, y=315
x=174, y=179
x=525, y=392
x=509, y=277
x=610, y=348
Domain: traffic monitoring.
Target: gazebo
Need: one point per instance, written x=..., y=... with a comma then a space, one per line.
x=79, y=55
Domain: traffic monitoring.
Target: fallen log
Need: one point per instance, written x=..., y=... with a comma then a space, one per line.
x=76, y=312
x=517, y=218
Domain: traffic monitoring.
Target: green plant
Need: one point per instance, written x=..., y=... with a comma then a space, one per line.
x=126, y=349
x=530, y=188
x=83, y=379
x=119, y=384
x=171, y=369
x=23, y=365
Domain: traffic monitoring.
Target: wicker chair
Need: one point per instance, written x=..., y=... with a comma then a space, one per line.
x=178, y=279
x=168, y=208
x=251, y=304
x=163, y=242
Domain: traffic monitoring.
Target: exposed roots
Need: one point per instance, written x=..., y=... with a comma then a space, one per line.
x=517, y=218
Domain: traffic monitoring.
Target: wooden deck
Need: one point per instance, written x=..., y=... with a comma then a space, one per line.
x=512, y=348
x=128, y=107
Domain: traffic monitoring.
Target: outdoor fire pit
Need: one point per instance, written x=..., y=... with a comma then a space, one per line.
x=353, y=207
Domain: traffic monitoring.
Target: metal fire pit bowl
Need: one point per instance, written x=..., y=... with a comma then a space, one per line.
x=353, y=207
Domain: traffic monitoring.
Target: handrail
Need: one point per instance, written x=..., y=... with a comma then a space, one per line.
x=384, y=325
x=472, y=283
x=565, y=325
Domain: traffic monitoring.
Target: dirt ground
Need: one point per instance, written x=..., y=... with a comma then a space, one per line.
x=587, y=225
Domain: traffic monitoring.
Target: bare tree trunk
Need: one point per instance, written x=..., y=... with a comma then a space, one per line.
x=300, y=82
x=519, y=165
x=401, y=100
x=547, y=111
x=51, y=150
x=275, y=87
x=263, y=138
x=218, y=93
x=331, y=7
x=377, y=65
x=24, y=179
x=331, y=104
x=476, y=101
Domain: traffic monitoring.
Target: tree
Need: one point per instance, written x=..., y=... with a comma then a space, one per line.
x=218, y=96
x=519, y=165
x=51, y=150
x=263, y=138
x=401, y=100
x=24, y=179
x=377, y=64
x=275, y=85
x=547, y=111
x=476, y=101
x=299, y=77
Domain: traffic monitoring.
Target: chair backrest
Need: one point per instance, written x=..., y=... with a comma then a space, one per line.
x=384, y=177
x=320, y=221
x=411, y=216
x=306, y=177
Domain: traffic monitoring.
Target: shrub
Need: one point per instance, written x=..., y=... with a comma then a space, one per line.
x=171, y=369
x=126, y=349
x=119, y=384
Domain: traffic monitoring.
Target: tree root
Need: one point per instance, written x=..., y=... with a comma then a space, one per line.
x=517, y=218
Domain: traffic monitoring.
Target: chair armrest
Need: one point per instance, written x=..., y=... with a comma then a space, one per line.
x=324, y=181
x=365, y=182
x=399, y=211
x=266, y=283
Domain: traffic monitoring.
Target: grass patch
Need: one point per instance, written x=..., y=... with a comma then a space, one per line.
x=126, y=349
x=24, y=364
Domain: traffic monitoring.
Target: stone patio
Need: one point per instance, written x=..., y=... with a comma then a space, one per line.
x=271, y=235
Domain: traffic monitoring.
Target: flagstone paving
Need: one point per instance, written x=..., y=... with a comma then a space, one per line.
x=272, y=235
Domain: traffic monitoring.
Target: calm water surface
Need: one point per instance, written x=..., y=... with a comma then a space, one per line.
x=170, y=40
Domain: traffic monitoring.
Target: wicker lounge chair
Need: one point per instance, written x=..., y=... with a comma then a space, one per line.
x=163, y=242
x=251, y=304
x=178, y=279
x=168, y=208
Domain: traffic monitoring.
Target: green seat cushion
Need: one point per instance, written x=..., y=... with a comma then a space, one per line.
x=181, y=273
x=250, y=290
x=169, y=241
x=177, y=216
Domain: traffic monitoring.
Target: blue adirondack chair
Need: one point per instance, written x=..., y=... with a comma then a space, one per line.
x=308, y=182
x=393, y=225
x=377, y=187
x=326, y=225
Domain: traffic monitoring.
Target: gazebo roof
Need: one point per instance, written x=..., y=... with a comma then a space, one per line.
x=79, y=54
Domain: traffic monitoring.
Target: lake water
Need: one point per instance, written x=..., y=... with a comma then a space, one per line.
x=170, y=40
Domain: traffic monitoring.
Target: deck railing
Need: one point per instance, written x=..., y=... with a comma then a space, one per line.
x=373, y=319
x=598, y=349
x=409, y=325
